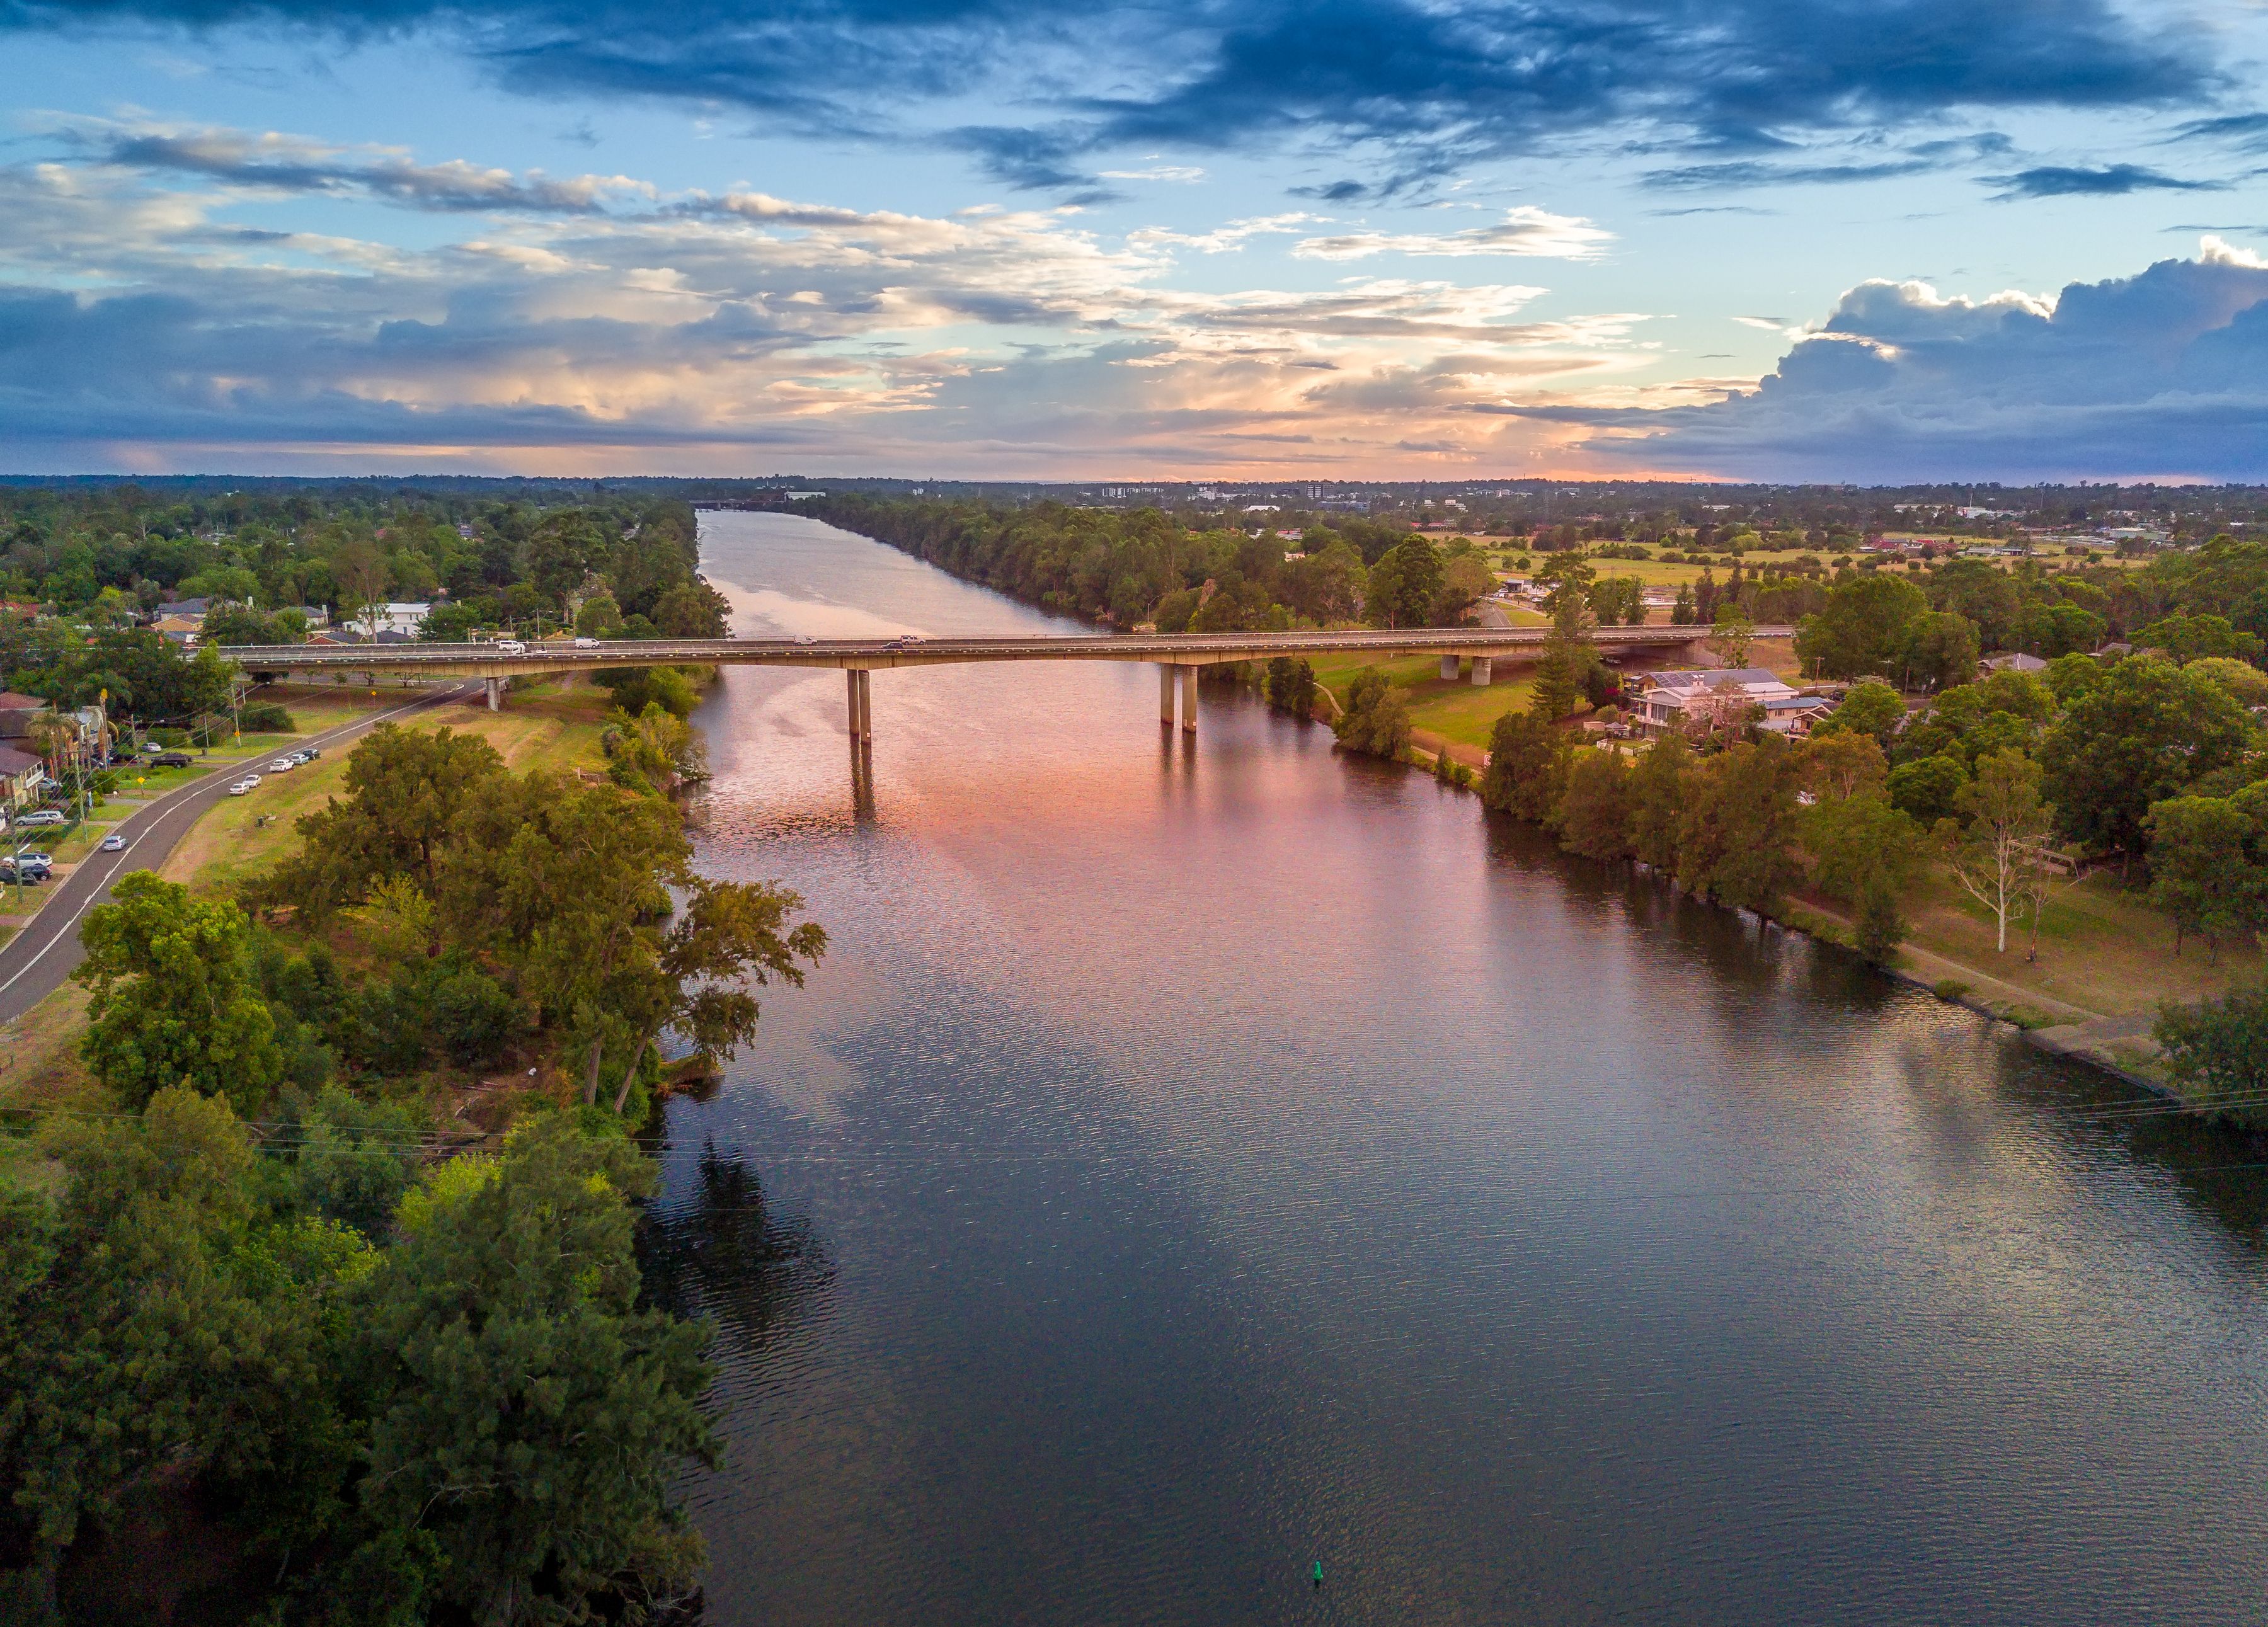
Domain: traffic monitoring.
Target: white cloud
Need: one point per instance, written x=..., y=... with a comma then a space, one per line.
x=1526, y=232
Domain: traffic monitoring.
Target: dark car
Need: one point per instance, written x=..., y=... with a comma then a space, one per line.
x=170, y=760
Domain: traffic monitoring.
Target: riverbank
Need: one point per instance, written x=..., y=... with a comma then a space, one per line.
x=554, y=725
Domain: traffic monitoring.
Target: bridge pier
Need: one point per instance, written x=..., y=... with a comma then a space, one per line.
x=862, y=704
x=1165, y=694
x=1484, y=670
x=1189, y=700
x=1448, y=669
x=495, y=688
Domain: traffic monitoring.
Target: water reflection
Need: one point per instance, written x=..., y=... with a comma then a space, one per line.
x=714, y=1247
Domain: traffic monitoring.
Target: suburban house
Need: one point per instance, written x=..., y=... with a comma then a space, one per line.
x=20, y=773
x=405, y=619
x=17, y=712
x=181, y=620
x=2013, y=664
x=1683, y=700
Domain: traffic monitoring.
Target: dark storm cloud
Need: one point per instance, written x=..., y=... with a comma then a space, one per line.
x=1428, y=87
x=2113, y=180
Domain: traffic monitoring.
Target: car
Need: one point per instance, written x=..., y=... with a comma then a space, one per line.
x=586, y=644
x=281, y=765
x=510, y=646
x=114, y=844
x=11, y=876
x=43, y=816
x=170, y=760
x=895, y=644
x=242, y=788
x=34, y=866
x=912, y=638
x=805, y=638
x=311, y=752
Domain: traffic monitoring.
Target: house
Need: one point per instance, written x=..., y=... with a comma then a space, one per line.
x=20, y=774
x=2012, y=664
x=17, y=712
x=317, y=616
x=181, y=620
x=1681, y=700
x=405, y=619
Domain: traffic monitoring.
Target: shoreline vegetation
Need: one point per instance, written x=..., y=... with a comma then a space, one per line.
x=320, y=1300
x=2076, y=843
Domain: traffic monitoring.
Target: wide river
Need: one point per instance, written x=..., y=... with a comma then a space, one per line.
x=1195, y=1161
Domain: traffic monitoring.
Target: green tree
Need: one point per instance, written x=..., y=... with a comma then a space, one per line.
x=1927, y=789
x=1375, y=718
x=2005, y=841
x=1657, y=801
x=2190, y=638
x=1292, y=686
x=2205, y=871
x=355, y=1160
x=2145, y=734
x=1404, y=585
x=1732, y=634
x=1562, y=672
x=174, y=997
x=2071, y=677
x=1593, y=816
x=1859, y=630
x=1736, y=835
x=1681, y=612
x=2247, y=682
x=1936, y=650
x=405, y=789
x=526, y=1415
x=1526, y=766
x=2218, y=1050
x=600, y=617
x=1860, y=846
x=1874, y=708
x=1841, y=763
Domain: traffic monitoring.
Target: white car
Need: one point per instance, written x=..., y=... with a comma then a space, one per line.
x=282, y=765
x=586, y=644
x=242, y=788
x=510, y=646
x=805, y=638
x=41, y=816
x=114, y=844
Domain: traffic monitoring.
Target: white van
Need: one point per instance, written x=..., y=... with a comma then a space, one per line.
x=510, y=646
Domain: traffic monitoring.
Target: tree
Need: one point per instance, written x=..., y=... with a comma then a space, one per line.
x=691, y=610
x=355, y=1160
x=1863, y=851
x=1736, y=835
x=2187, y=637
x=1926, y=788
x=1568, y=657
x=1404, y=584
x=1526, y=766
x=2146, y=734
x=1292, y=686
x=1657, y=801
x=527, y=1415
x=1937, y=650
x=1857, y=632
x=1874, y=708
x=1593, y=814
x=1465, y=580
x=2204, y=872
x=1840, y=764
x=361, y=573
x=174, y=997
x=1681, y=612
x=405, y=789
x=2006, y=836
x=2242, y=679
x=1375, y=718
x=599, y=616
x=2218, y=1050
x=1733, y=634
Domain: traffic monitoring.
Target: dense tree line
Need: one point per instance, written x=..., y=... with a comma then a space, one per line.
x=384, y=1389
x=97, y=560
x=1133, y=568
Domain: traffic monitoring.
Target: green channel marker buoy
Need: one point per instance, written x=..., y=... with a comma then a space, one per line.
x=1319, y=1574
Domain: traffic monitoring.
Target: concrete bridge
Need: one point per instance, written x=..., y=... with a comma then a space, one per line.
x=1178, y=655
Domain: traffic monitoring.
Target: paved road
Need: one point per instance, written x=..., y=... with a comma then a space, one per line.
x=486, y=660
x=34, y=963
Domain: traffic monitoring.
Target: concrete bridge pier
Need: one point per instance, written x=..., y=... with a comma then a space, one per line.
x=1448, y=669
x=1189, y=700
x=495, y=688
x=1484, y=670
x=1165, y=694
x=862, y=702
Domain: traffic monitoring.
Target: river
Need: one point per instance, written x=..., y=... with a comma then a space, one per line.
x=1197, y=1160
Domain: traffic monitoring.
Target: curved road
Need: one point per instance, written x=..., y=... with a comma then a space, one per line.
x=34, y=963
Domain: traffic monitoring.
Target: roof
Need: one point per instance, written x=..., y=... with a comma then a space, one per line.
x=10, y=701
x=406, y=606
x=2016, y=663
x=1704, y=678
x=186, y=606
x=13, y=763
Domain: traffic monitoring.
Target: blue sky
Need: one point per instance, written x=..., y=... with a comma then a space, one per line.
x=1756, y=239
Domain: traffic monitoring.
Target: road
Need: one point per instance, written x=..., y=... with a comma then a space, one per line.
x=34, y=963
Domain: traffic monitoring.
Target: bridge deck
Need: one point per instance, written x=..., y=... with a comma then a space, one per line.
x=1182, y=648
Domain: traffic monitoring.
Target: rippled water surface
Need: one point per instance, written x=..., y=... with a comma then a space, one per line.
x=1196, y=1161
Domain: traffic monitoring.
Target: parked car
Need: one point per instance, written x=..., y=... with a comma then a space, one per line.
x=114, y=844
x=9, y=876
x=242, y=788
x=510, y=646
x=43, y=816
x=170, y=760
x=34, y=865
x=251, y=779
x=311, y=752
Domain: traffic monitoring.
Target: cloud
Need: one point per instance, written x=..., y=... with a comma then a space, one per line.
x=1406, y=90
x=1525, y=231
x=277, y=163
x=142, y=326
x=1186, y=173
x=1751, y=173
x=2164, y=373
x=2112, y=181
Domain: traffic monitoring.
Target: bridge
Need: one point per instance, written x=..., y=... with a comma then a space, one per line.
x=1476, y=650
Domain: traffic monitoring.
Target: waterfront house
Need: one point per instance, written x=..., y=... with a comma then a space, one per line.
x=1686, y=699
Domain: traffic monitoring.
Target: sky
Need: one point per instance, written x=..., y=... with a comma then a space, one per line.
x=1864, y=240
